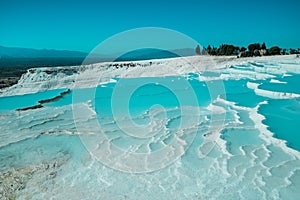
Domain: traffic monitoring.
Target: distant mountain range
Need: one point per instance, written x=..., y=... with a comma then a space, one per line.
x=38, y=53
x=26, y=57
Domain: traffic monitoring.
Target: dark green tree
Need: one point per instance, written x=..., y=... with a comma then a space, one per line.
x=229, y=49
x=263, y=46
x=204, y=51
x=198, y=50
x=214, y=51
x=284, y=51
x=274, y=50
x=293, y=51
x=209, y=49
x=254, y=46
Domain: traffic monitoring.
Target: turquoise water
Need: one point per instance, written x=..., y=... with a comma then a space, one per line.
x=279, y=113
x=237, y=91
x=291, y=86
x=283, y=118
x=154, y=91
x=42, y=149
x=23, y=101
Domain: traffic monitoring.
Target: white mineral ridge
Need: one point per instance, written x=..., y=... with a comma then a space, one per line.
x=271, y=94
x=88, y=76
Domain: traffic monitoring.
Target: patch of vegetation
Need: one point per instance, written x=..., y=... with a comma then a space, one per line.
x=255, y=49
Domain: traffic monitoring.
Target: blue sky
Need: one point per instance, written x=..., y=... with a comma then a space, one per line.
x=81, y=25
